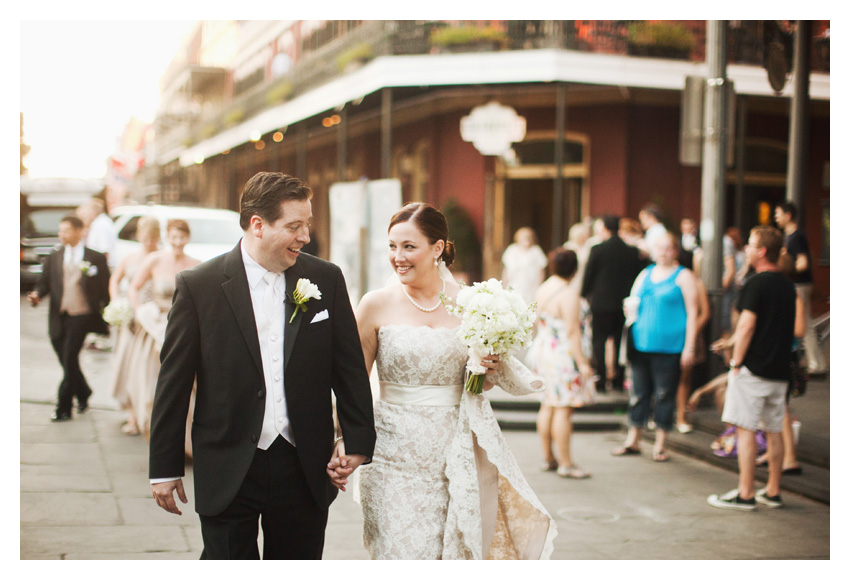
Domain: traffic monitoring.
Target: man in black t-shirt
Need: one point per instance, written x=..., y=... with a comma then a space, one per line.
x=797, y=246
x=760, y=369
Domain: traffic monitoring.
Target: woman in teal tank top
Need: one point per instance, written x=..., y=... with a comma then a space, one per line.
x=664, y=336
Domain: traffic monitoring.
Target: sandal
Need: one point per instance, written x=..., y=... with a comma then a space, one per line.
x=129, y=429
x=660, y=456
x=621, y=451
x=549, y=465
x=573, y=472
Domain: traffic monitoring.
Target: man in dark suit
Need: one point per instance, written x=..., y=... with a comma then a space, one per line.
x=266, y=368
x=77, y=280
x=611, y=269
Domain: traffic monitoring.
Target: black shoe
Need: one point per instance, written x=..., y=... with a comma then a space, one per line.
x=82, y=406
x=732, y=501
x=772, y=501
x=57, y=417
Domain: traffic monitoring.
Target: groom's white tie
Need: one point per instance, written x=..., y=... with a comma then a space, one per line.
x=273, y=299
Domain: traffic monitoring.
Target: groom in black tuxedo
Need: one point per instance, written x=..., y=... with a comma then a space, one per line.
x=77, y=280
x=263, y=427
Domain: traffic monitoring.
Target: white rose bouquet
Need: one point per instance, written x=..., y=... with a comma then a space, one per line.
x=118, y=312
x=493, y=321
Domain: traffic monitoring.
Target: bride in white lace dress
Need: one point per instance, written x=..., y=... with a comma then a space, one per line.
x=443, y=483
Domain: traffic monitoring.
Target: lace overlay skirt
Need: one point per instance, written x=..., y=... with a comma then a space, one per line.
x=408, y=471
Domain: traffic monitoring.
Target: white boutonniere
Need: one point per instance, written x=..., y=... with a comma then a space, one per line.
x=304, y=291
x=88, y=269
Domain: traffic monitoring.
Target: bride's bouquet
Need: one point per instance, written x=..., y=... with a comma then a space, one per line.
x=493, y=321
x=118, y=312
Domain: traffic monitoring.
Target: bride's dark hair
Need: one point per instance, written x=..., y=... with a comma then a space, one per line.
x=431, y=222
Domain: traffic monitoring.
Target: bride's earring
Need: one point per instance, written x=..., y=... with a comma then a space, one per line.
x=437, y=262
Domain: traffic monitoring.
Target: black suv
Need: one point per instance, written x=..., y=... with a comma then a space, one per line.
x=44, y=202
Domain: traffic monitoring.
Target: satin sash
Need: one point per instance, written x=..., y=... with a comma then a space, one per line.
x=421, y=395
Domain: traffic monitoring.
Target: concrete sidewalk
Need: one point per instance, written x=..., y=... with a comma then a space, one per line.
x=85, y=495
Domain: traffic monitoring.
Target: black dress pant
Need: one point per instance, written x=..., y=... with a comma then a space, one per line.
x=67, y=347
x=275, y=492
x=607, y=325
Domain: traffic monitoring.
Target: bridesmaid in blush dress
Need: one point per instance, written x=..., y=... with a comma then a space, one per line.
x=148, y=234
x=158, y=272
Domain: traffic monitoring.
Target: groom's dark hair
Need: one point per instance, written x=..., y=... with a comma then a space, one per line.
x=264, y=193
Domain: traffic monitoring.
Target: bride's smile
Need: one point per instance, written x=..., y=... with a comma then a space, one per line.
x=411, y=255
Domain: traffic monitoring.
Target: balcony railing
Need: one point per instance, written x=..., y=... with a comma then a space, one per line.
x=360, y=41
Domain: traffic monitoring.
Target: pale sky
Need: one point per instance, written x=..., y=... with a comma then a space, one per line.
x=82, y=80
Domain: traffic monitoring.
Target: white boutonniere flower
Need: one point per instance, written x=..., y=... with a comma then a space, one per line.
x=304, y=291
x=88, y=269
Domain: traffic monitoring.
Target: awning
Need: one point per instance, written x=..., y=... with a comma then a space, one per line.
x=524, y=66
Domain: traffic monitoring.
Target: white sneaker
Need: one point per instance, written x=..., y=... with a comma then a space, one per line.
x=731, y=501
x=773, y=501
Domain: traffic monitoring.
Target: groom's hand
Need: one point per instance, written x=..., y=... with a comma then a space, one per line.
x=163, y=493
x=342, y=465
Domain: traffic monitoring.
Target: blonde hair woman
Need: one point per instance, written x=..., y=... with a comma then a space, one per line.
x=148, y=233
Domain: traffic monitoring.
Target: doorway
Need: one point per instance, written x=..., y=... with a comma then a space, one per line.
x=757, y=206
x=529, y=203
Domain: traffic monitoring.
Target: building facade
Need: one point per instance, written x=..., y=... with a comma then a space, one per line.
x=602, y=101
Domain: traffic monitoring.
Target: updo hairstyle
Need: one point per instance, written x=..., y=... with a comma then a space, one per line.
x=430, y=222
x=149, y=225
x=563, y=263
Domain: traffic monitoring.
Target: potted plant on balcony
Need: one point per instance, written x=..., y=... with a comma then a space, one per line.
x=354, y=57
x=279, y=93
x=660, y=39
x=468, y=39
x=233, y=117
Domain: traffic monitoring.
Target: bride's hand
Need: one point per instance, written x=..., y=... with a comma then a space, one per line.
x=338, y=468
x=491, y=363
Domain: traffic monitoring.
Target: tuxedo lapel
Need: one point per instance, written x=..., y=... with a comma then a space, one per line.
x=238, y=295
x=292, y=274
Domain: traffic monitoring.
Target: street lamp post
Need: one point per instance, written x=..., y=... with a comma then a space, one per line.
x=714, y=174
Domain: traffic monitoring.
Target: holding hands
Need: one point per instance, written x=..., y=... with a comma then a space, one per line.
x=341, y=465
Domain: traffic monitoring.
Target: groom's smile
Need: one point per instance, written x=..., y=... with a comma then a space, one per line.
x=280, y=241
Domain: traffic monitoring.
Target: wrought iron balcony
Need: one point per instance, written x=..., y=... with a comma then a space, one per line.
x=328, y=50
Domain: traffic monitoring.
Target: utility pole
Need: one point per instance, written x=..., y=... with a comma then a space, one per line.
x=714, y=173
x=799, y=129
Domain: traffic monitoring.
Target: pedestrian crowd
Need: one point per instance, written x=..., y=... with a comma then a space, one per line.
x=626, y=311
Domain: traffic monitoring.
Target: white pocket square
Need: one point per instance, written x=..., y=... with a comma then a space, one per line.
x=323, y=315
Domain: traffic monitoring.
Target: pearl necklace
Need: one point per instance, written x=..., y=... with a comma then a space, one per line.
x=420, y=307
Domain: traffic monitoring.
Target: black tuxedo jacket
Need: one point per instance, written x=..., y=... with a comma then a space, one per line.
x=611, y=270
x=95, y=289
x=212, y=335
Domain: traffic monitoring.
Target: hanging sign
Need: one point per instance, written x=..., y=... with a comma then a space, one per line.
x=492, y=128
